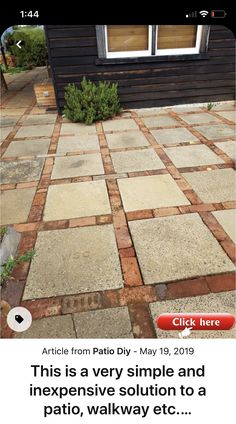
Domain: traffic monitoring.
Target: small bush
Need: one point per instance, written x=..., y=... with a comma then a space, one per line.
x=91, y=102
x=34, y=49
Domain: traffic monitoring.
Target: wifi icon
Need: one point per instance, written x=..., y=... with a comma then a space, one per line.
x=203, y=13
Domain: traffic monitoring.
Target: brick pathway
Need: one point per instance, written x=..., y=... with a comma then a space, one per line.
x=129, y=218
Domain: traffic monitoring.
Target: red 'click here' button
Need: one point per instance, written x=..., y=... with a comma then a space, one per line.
x=195, y=321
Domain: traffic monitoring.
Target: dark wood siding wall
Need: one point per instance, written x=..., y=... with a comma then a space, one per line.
x=73, y=54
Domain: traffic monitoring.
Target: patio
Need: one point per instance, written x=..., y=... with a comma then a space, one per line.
x=130, y=218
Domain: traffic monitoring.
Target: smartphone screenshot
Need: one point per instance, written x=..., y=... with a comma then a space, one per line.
x=117, y=217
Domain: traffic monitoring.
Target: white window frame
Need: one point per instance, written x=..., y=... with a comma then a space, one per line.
x=178, y=51
x=137, y=53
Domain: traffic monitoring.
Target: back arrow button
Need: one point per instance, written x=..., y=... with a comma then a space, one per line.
x=19, y=44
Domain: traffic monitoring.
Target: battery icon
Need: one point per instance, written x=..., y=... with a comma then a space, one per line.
x=218, y=13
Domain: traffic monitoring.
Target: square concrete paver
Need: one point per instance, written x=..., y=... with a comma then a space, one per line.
x=160, y=121
x=13, y=112
x=150, y=192
x=58, y=327
x=77, y=143
x=80, y=165
x=76, y=200
x=227, y=105
x=111, y=323
x=186, y=108
x=77, y=129
x=211, y=303
x=4, y=132
x=47, y=118
x=215, y=131
x=177, y=247
x=8, y=121
x=213, y=186
x=74, y=260
x=136, y=160
x=229, y=147
x=184, y=156
x=21, y=170
x=120, y=124
x=27, y=148
x=151, y=111
x=126, y=139
x=199, y=118
x=230, y=115
x=35, y=131
x=227, y=220
x=173, y=136
x=15, y=205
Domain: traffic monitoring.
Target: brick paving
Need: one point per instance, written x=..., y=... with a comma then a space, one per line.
x=129, y=217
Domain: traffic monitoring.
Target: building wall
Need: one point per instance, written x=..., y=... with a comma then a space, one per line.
x=73, y=54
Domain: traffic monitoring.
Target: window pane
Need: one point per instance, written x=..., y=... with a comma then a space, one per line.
x=122, y=38
x=176, y=36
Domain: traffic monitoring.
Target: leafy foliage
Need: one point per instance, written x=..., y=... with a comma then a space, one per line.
x=3, y=231
x=34, y=49
x=11, y=263
x=91, y=102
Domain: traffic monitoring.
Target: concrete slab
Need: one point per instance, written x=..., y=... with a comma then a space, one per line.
x=227, y=220
x=58, y=327
x=150, y=192
x=173, y=136
x=111, y=323
x=13, y=112
x=35, y=131
x=4, y=132
x=80, y=165
x=78, y=142
x=47, y=118
x=9, y=245
x=74, y=260
x=215, y=131
x=230, y=115
x=77, y=129
x=15, y=205
x=214, y=186
x=151, y=111
x=229, y=147
x=177, y=247
x=211, y=303
x=76, y=200
x=230, y=105
x=27, y=148
x=199, y=118
x=8, y=121
x=126, y=139
x=183, y=156
x=187, y=108
x=136, y=160
x=160, y=121
x=21, y=171
x=120, y=125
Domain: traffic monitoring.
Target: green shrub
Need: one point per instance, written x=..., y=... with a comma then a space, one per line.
x=34, y=49
x=91, y=102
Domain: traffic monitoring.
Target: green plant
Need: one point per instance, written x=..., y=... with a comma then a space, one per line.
x=34, y=49
x=210, y=106
x=91, y=102
x=11, y=263
x=13, y=70
x=3, y=231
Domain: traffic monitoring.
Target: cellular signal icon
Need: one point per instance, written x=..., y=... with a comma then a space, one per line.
x=192, y=15
x=203, y=13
